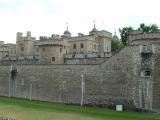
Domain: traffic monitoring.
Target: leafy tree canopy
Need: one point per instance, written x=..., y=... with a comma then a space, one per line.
x=124, y=34
x=116, y=44
x=148, y=28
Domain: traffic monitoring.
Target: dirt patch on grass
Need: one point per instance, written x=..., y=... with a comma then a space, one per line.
x=40, y=115
x=65, y=116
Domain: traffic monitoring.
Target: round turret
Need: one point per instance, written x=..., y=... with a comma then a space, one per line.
x=143, y=38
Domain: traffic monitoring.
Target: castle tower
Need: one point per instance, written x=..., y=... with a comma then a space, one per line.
x=25, y=45
x=19, y=36
x=28, y=34
x=146, y=96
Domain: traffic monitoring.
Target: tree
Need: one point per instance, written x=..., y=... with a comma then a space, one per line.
x=124, y=34
x=116, y=44
x=148, y=28
x=154, y=27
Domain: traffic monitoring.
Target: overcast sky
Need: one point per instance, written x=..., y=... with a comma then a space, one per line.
x=46, y=17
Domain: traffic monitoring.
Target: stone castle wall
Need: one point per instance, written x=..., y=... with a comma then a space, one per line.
x=113, y=82
x=156, y=82
x=130, y=77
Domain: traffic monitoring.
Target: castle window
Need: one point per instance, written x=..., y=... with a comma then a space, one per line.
x=60, y=50
x=146, y=55
x=82, y=46
x=22, y=48
x=66, y=51
x=74, y=46
x=43, y=49
x=37, y=49
x=95, y=47
x=53, y=59
x=145, y=73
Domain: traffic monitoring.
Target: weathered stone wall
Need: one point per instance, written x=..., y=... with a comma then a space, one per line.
x=156, y=83
x=121, y=70
x=4, y=80
x=113, y=82
x=47, y=52
x=87, y=61
x=130, y=77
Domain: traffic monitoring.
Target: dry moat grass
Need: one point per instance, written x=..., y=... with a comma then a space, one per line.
x=35, y=110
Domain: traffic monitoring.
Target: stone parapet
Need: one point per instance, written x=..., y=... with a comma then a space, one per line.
x=20, y=58
x=85, y=37
x=136, y=37
x=50, y=42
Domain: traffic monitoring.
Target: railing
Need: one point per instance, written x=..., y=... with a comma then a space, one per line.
x=35, y=57
x=89, y=55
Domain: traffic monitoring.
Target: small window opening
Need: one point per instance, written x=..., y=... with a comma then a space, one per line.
x=74, y=46
x=22, y=49
x=53, y=59
x=60, y=50
x=95, y=47
x=145, y=73
x=82, y=46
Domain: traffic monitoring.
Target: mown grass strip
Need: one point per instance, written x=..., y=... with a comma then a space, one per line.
x=98, y=113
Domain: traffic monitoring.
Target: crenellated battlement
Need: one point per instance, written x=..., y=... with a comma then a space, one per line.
x=53, y=37
x=140, y=37
x=28, y=36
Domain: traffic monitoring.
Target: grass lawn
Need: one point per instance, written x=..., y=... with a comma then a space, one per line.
x=35, y=110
